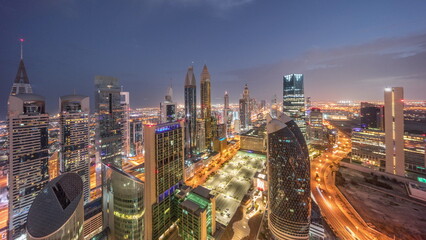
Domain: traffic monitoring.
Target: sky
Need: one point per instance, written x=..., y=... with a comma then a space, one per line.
x=347, y=50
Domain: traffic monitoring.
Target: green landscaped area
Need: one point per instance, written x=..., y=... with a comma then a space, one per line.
x=232, y=182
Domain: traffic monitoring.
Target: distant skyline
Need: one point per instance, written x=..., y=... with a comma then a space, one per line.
x=346, y=50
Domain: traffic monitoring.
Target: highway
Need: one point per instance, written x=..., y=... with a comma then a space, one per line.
x=338, y=213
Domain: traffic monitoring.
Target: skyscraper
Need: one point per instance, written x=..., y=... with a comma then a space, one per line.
x=74, y=138
x=123, y=204
x=164, y=164
x=206, y=107
x=316, y=131
x=168, y=108
x=57, y=212
x=227, y=113
x=21, y=84
x=245, y=114
x=372, y=116
x=125, y=123
x=190, y=112
x=109, y=139
x=28, y=156
x=289, y=185
x=394, y=130
x=294, y=99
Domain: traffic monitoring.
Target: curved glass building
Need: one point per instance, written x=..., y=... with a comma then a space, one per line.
x=288, y=173
x=57, y=212
x=123, y=204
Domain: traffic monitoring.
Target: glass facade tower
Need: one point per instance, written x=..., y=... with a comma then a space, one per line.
x=288, y=173
x=190, y=112
x=109, y=140
x=294, y=99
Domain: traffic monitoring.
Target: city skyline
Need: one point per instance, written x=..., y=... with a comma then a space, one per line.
x=363, y=49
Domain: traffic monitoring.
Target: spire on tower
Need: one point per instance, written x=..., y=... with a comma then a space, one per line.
x=21, y=84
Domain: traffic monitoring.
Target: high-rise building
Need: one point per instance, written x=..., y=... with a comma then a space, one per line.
x=197, y=213
x=125, y=123
x=136, y=136
x=227, y=112
x=28, y=156
x=368, y=148
x=164, y=164
x=394, y=137
x=289, y=179
x=372, y=116
x=21, y=84
x=294, y=99
x=57, y=212
x=201, y=136
x=123, y=204
x=74, y=138
x=206, y=107
x=190, y=112
x=245, y=114
x=168, y=108
x=109, y=139
x=316, y=131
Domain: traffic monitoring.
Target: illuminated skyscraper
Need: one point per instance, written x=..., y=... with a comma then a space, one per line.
x=74, y=138
x=227, y=113
x=294, y=99
x=164, y=164
x=394, y=130
x=21, y=83
x=245, y=114
x=190, y=112
x=125, y=123
x=28, y=156
x=168, y=108
x=109, y=139
x=206, y=107
x=289, y=185
x=123, y=204
x=57, y=212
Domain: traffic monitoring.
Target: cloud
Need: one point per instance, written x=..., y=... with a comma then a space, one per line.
x=350, y=72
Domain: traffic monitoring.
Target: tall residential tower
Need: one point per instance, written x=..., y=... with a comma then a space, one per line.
x=28, y=156
x=190, y=112
x=74, y=138
x=206, y=107
x=394, y=130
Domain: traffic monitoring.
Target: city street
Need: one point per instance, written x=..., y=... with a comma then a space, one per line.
x=339, y=214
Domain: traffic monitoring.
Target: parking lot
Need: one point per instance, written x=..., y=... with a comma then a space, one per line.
x=232, y=182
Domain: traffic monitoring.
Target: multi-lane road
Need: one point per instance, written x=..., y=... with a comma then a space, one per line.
x=338, y=213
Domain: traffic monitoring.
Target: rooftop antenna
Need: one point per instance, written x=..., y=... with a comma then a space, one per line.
x=21, y=40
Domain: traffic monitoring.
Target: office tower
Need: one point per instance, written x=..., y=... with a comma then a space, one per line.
x=368, y=148
x=74, y=138
x=294, y=99
x=288, y=173
x=123, y=204
x=164, y=163
x=394, y=137
x=316, y=132
x=109, y=139
x=57, y=212
x=227, y=112
x=28, y=156
x=93, y=225
x=197, y=213
x=136, y=136
x=372, y=116
x=53, y=166
x=245, y=114
x=415, y=156
x=190, y=112
x=226, y=100
x=206, y=107
x=168, y=108
x=201, y=136
x=21, y=84
x=125, y=124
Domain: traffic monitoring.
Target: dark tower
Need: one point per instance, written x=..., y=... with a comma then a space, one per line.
x=190, y=112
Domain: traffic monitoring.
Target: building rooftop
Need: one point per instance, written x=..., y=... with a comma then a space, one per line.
x=202, y=191
x=191, y=207
x=54, y=205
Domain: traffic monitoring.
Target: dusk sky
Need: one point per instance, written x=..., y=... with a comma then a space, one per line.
x=345, y=49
